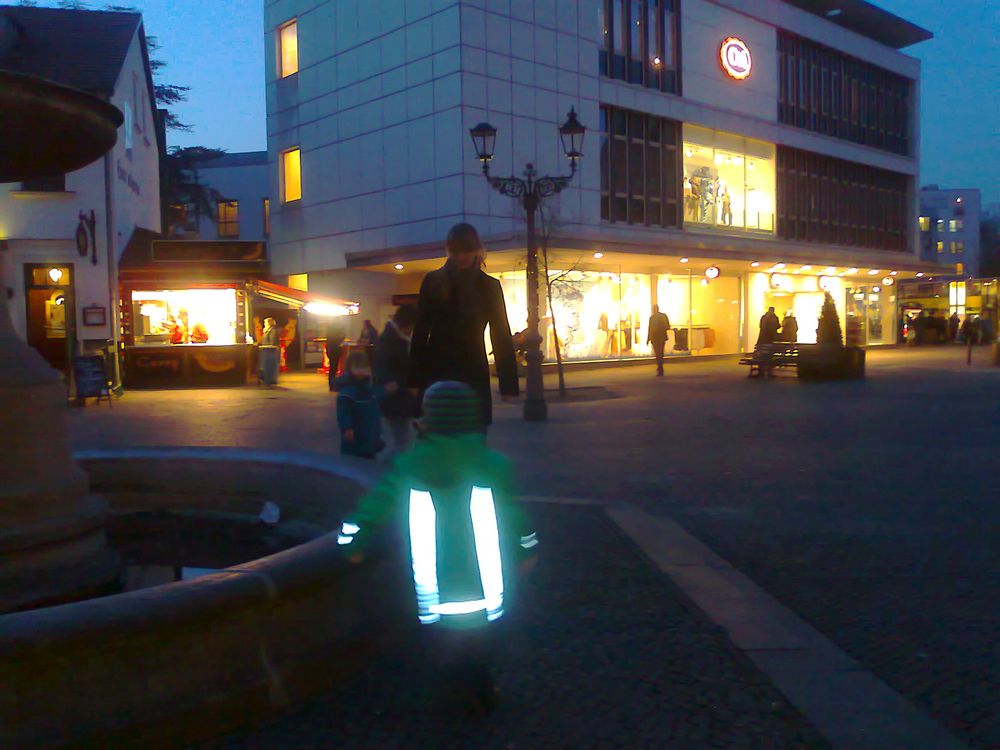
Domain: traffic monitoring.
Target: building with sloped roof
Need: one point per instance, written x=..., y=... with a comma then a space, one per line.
x=62, y=235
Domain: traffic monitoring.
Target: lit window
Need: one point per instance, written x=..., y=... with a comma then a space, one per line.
x=288, y=48
x=229, y=218
x=940, y=226
x=957, y=248
x=729, y=181
x=925, y=223
x=956, y=225
x=291, y=175
x=267, y=217
x=940, y=247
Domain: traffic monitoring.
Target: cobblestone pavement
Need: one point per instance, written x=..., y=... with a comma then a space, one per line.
x=868, y=508
x=605, y=654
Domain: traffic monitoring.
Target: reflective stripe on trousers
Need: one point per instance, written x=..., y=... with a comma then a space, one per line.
x=423, y=548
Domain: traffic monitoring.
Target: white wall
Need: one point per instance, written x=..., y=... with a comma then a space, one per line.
x=375, y=109
x=704, y=26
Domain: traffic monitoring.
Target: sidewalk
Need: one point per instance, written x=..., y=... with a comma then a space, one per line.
x=865, y=508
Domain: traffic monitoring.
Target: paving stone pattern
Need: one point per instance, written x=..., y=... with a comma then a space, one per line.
x=606, y=653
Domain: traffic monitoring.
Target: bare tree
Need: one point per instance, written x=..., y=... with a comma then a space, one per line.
x=549, y=220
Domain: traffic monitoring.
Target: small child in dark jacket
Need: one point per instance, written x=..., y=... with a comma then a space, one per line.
x=358, y=413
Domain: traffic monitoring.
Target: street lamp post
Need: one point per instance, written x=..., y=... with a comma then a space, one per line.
x=531, y=190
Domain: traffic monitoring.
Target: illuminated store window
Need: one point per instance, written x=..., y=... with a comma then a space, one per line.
x=925, y=223
x=291, y=175
x=229, y=218
x=185, y=316
x=288, y=48
x=729, y=181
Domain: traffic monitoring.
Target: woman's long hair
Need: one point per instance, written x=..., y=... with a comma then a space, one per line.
x=463, y=238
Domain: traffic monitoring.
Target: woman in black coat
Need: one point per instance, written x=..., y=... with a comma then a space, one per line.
x=456, y=304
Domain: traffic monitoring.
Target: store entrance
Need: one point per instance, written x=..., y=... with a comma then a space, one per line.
x=805, y=306
x=50, y=318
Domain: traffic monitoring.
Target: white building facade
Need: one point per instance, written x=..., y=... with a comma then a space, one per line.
x=62, y=235
x=740, y=155
x=950, y=222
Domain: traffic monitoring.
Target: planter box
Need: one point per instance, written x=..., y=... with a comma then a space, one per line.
x=825, y=362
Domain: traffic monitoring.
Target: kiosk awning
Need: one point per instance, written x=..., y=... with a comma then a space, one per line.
x=311, y=303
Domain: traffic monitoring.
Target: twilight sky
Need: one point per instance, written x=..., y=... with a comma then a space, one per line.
x=216, y=48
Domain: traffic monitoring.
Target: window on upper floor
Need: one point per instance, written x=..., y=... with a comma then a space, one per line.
x=228, y=218
x=940, y=246
x=639, y=168
x=128, y=125
x=267, y=217
x=288, y=49
x=957, y=248
x=925, y=223
x=639, y=42
x=837, y=202
x=291, y=175
x=940, y=226
x=956, y=225
x=728, y=181
x=825, y=91
x=48, y=184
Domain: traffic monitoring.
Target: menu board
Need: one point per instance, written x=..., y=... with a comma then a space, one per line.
x=90, y=376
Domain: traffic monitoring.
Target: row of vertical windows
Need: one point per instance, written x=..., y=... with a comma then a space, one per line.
x=640, y=42
x=822, y=199
x=827, y=92
x=640, y=178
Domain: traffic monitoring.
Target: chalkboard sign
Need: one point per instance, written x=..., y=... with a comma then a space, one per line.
x=91, y=378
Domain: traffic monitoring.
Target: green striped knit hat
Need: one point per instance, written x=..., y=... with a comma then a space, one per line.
x=452, y=408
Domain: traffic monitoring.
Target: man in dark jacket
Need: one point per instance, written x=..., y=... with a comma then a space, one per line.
x=769, y=325
x=659, y=326
x=392, y=371
x=456, y=304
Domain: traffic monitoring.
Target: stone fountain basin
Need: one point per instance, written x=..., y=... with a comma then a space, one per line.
x=173, y=664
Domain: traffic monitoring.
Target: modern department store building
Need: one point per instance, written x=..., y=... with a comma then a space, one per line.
x=741, y=154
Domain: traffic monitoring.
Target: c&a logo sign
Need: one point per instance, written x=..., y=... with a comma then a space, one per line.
x=736, y=60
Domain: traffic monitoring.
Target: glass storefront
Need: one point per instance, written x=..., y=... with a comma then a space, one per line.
x=604, y=315
x=729, y=181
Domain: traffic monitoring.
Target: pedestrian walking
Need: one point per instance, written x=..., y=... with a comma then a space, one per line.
x=392, y=368
x=358, y=415
x=456, y=303
x=467, y=541
x=270, y=352
x=658, y=333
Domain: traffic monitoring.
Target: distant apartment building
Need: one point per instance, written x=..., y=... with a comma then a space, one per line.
x=62, y=235
x=950, y=229
x=741, y=154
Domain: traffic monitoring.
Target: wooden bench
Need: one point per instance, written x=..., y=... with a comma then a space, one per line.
x=769, y=357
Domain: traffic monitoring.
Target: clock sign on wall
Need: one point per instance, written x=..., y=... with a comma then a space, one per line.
x=736, y=60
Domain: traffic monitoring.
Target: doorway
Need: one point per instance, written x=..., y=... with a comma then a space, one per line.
x=51, y=313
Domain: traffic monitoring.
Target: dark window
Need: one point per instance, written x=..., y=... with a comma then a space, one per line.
x=639, y=42
x=827, y=92
x=639, y=174
x=49, y=184
x=822, y=199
